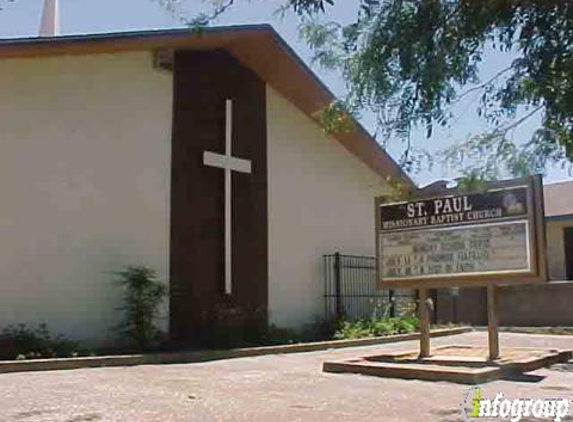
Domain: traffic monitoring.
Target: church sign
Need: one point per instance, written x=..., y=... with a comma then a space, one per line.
x=493, y=236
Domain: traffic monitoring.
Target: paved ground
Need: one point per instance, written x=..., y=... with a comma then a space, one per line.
x=275, y=388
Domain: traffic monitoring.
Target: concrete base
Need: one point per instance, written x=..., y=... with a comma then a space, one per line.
x=460, y=364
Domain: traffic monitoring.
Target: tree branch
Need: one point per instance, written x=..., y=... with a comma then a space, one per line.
x=515, y=124
x=483, y=85
x=2, y=7
x=205, y=19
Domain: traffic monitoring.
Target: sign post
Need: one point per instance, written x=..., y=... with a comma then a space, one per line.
x=424, y=313
x=492, y=322
x=486, y=238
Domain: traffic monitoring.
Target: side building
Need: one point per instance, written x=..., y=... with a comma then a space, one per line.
x=525, y=306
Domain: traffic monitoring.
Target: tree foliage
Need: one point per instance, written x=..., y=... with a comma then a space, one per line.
x=409, y=62
x=4, y=3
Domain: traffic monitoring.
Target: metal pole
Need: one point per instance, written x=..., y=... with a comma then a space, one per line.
x=424, y=323
x=391, y=299
x=492, y=322
x=339, y=307
x=435, y=307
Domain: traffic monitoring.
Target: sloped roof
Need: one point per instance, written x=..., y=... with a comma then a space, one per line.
x=558, y=199
x=258, y=47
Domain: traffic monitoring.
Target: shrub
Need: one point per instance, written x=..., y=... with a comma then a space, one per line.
x=319, y=330
x=22, y=342
x=274, y=335
x=143, y=296
x=351, y=330
x=374, y=327
x=244, y=326
x=231, y=325
x=407, y=324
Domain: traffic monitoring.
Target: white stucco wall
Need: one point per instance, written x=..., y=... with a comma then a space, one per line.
x=556, y=248
x=321, y=200
x=84, y=182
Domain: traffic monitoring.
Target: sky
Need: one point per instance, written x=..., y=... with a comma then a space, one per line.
x=20, y=18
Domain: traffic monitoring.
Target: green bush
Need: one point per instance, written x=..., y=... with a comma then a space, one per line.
x=352, y=330
x=274, y=335
x=230, y=325
x=374, y=327
x=22, y=342
x=408, y=324
x=143, y=296
x=319, y=330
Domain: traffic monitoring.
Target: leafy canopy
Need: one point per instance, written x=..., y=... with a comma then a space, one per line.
x=409, y=62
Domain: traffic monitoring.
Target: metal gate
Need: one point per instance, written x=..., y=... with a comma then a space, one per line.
x=350, y=290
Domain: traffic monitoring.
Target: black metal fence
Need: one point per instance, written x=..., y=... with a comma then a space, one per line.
x=350, y=290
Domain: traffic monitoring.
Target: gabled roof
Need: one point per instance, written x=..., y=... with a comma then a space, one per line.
x=558, y=199
x=258, y=47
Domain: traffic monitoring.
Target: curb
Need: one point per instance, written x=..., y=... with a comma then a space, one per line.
x=207, y=355
x=534, y=331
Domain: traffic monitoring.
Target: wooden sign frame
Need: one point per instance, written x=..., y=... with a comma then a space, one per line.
x=536, y=239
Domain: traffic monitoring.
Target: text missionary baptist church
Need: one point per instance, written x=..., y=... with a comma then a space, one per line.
x=196, y=154
x=453, y=210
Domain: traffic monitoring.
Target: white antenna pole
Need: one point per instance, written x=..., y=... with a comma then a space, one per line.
x=50, y=25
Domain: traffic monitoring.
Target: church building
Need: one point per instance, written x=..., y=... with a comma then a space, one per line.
x=196, y=153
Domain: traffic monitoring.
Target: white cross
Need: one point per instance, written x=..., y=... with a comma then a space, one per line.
x=228, y=163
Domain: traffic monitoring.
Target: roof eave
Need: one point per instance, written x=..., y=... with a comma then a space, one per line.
x=259, y=47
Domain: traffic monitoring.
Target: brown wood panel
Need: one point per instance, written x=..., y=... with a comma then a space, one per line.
x=202, y=83
x=568, y=239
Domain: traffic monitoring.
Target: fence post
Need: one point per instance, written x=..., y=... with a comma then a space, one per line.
x=392, y=303
x=434, y=296
x=337, y=284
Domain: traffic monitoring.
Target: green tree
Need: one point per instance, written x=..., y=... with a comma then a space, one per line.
x=409, y=62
